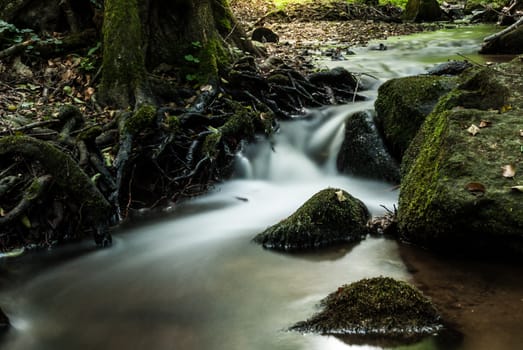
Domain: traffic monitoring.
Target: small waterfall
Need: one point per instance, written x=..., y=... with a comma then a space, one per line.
x=303, y=149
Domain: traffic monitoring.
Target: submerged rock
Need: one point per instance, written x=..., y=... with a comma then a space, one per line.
x=330, y=216
x=337, y=77
x=457, y=192
x=373, y=307
x=363, y=152
x=451, y=67
x=402, y=106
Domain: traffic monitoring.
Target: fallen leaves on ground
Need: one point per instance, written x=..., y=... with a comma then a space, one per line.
x=509, y=170
x=473, y=129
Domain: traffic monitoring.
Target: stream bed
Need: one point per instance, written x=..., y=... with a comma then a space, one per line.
x=194, y=280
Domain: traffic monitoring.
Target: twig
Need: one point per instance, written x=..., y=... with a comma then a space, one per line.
x=506, y=30
x=471, y=60
x=30, y=126
x=16, y=48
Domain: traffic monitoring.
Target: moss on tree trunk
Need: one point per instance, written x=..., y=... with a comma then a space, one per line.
x=124, y=75
x=187, y=36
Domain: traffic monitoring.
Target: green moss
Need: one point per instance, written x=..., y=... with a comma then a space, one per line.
x=212, y=57
x=211, y=144
x=143, y=119
x=240, y=124
x=238, y=127
x=278, y=79
x=31, y=193
x=402, y=106
x=123, y=55
x=65, y=172
x=330, y=216
x=374, y=306
x=225, y=23
x=422, y=170
x=174, y=123
x=435, y=208
x=90, y=133
x=223, y=16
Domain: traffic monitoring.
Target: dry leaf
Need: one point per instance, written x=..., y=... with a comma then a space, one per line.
x=475, y=188
x=505, y=108
x=25, y=221
x=521, y=133
x=206, y=88
x=484, y=123
x=518, y=188
x=509, y=170
x=473, y=130
x=88, y=93
x=341, y=196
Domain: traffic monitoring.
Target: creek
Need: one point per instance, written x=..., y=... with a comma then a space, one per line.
x=194, y=280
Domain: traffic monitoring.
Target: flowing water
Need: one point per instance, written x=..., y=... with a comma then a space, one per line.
x=195, y=281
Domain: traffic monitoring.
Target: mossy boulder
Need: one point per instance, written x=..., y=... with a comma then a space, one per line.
x=379, y=306
x=454, y=195
x=363, y=152
x=403, y=104
x=330, y=216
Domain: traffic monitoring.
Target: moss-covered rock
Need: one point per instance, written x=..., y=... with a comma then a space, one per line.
x=373, y=307
x=330, y=216
x=363, y=152
x=402, y=106
x=454, y=196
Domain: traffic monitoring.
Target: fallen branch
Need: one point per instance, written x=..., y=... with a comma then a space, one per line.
x=30, y=126
x=16, y=49
x=504, y=31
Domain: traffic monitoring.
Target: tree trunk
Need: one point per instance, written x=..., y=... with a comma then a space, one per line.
x=422, y=11
x=186, y=37
x=124, y=75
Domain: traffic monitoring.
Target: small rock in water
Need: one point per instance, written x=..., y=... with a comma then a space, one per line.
x=380, y=306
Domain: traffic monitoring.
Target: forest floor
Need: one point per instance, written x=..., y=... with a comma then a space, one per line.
x=318, y=26
x=306, y=32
